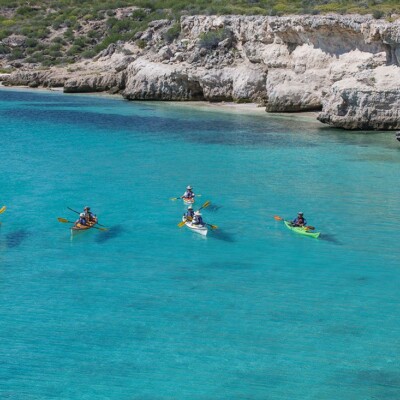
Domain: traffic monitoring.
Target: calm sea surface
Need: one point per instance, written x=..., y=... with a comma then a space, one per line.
x=148, y=311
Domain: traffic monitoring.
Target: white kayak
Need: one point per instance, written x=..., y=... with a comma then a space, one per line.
x=202, y=229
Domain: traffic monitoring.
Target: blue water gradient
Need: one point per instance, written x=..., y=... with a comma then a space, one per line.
x=149, y=311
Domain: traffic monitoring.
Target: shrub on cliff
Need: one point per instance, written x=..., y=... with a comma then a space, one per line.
x=172, y=33
x=209, y=40
x=4, y=49
x=141, y=43
x=378, y=14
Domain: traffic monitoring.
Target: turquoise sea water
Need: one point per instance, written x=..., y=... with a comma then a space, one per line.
x=150, y=311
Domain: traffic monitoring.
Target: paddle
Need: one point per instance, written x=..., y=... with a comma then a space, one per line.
x=177, y=198
x=206, y=204
x=212, y=226
x=79, y=213
x=309, y=228
x=63, y=220
x=2, y=209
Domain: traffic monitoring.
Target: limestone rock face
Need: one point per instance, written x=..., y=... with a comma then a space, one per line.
x=370, y=100
x=28, y=78
x=152, y=81
x=289, y=64
x=97, y=83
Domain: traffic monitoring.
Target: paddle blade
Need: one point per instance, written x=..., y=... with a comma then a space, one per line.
x=174, y=198
x=278, y=218
x=181, y=224
x=310, y=228
x=101, y=229
x=205, y=205
x=213, y=226
x=63, y=220
x=2, y=209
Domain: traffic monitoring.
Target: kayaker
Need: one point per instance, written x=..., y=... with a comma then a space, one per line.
x=197, y=218
x=90, y=217
x=189, y=213
x=81, y=220
x=188, y=194
x=300, y=220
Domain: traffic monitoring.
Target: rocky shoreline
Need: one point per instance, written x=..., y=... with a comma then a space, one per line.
x=345, y=67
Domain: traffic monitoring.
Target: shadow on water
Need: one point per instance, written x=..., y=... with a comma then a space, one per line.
x=222, y=235
x=213, y=207
x=14, y=239
x=330, y=238
x=112, y=233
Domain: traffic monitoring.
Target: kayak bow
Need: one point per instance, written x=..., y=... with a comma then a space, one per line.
x=188, y=201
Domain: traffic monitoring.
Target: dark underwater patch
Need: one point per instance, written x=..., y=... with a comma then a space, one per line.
x=230, y=132
x=14, y=239
x=380, y=378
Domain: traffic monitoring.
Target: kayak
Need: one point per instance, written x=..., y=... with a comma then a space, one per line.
x=202, y=229
x=301, y=230
x=78, y=228
x=188, y=201
x=398, y=136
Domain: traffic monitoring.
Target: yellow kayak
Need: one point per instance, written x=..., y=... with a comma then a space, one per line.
x=78, y=228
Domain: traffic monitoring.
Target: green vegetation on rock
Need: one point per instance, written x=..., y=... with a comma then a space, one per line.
x=50, y=32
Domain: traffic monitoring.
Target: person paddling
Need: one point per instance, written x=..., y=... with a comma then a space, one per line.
x=300, y=220
x=188, y=194
x=89, y=216
x=81, y=221
x=189, y=214
x=197, y=219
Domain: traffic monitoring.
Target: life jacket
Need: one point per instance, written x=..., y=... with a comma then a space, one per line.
x=90, y=216
x=188, y=194
x=189, y=213
x=299, y=221
x=82, y=221
x=198, y=220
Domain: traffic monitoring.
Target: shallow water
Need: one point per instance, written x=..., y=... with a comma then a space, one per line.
x=150, y=311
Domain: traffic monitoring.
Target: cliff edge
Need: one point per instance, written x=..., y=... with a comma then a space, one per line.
x=347, y=66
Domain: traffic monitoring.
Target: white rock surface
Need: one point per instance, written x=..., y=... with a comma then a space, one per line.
x=290, y=64
x=369, y=100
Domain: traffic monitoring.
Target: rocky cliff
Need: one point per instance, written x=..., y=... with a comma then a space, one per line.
x=346, y=66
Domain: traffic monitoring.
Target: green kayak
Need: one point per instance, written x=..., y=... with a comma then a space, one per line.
x=301, y=230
